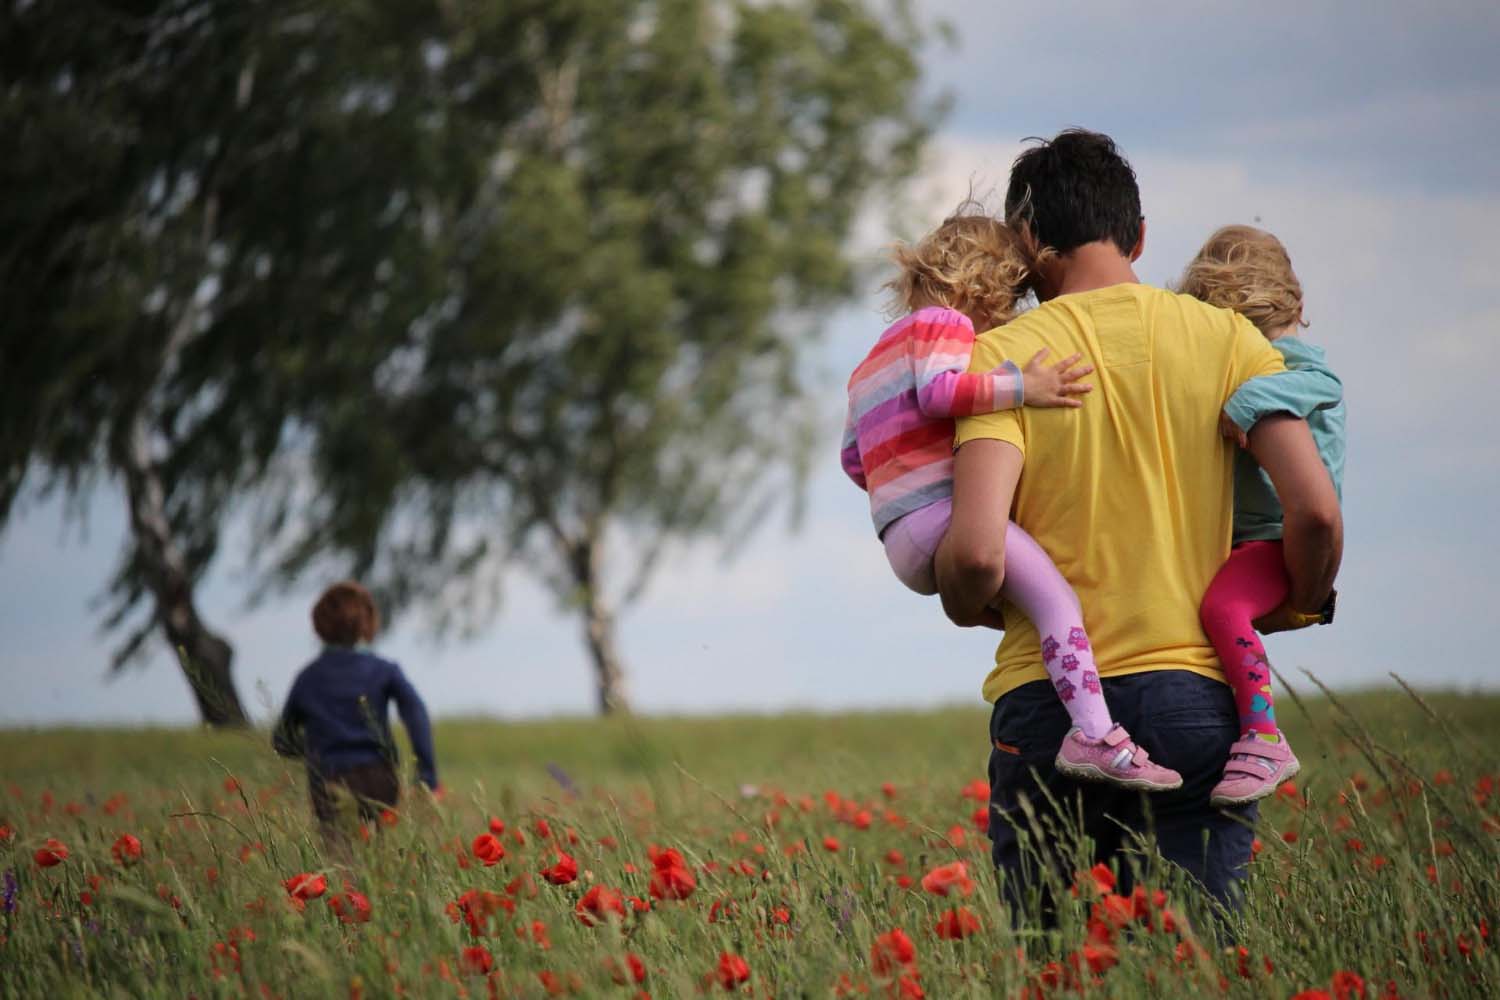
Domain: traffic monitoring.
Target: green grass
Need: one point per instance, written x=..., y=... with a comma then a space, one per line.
x=1409, y=789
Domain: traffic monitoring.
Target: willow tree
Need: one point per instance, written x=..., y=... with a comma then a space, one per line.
x=198, y=206
x=615, y=304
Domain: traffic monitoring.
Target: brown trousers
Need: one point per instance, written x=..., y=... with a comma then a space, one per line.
x=373, y=786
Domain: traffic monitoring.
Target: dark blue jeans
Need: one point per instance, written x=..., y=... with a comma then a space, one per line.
x=1186, y=722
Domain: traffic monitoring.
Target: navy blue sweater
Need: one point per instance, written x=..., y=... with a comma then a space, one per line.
x=337, y=714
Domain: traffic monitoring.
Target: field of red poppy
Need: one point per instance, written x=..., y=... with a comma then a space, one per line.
x=796, y=856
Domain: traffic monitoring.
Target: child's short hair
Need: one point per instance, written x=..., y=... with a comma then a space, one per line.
x=973, y=263
x=1247, y=270
x=345, y=615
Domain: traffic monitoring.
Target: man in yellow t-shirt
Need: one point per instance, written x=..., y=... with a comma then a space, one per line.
x=1132, y=497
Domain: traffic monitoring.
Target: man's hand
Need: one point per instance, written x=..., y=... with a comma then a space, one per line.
x=1231, y=430
x=1284, y=619
x=1045, y=385
x=988, y=616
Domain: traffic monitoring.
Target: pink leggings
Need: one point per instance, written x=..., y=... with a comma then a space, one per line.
x=1251, y=583
x=1033, y=584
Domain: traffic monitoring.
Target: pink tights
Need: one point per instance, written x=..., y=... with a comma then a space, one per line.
x=1251, y=583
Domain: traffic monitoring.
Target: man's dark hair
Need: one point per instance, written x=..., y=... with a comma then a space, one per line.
x=1073, y=190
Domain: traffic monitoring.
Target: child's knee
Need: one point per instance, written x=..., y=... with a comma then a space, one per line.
x=1217, y=615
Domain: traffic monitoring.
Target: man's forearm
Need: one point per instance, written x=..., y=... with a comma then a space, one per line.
x=967, y=586
x=1312, y=524
x=1312, y=546
x=970, y=562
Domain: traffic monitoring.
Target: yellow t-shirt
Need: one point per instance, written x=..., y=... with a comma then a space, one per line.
x=1131, y=495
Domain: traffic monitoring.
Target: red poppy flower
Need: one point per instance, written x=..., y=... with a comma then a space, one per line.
x=540, y=936
x=127, y=850
x=487, y=848
x=7, y=834
x=497, y=825
x=53, y=852
x=350, y=907
x=957, y=924
x=731, y=971
x=306, y=886
x=830, y=843
x=892, y=952
x=978, y=790
x=563, y=872
x=1100, y=957
x=1100, y=878
x=477, y=960
x=542, y=829
x=597, y=904
x=624, y=973
x=888, y=790
x=475, y=908
x=670, y=876
x=949, y=878
x=1312, y=995
x=1347, y=986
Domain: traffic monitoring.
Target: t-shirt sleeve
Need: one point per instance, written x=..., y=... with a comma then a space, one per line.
x=1253, y=356
x=1001, y=425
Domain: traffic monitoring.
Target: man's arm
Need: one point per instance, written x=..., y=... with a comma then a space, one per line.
x=970, y=562
x=1313, y=525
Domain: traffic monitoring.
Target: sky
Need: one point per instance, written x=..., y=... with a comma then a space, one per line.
x=1365, y=135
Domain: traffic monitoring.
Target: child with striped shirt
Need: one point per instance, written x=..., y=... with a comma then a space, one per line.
x=898, y=446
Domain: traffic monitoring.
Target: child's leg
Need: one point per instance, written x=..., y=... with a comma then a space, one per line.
x=1253, y=582
x=911, y=542
x=1033, y=584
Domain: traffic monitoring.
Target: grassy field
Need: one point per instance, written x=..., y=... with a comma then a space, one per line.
x=802, y=843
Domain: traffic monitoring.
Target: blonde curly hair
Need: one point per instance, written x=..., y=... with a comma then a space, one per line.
x=973, y=263
x=1248, y=271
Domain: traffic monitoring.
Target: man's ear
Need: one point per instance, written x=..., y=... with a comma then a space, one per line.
x=1140, y=243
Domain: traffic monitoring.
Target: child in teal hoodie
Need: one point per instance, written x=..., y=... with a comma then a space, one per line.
x=1248, y=270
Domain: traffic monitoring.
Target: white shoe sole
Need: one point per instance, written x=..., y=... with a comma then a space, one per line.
x=1292, y=770
x=1088, y=772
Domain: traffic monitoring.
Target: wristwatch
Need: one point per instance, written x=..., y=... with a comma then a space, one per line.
x=1323, y=616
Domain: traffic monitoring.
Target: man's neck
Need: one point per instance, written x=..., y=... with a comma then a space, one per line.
x=1093, y=265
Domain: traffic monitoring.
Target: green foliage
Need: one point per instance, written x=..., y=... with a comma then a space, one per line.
x=430, y=286
x=627, y=280
x=1413, y=789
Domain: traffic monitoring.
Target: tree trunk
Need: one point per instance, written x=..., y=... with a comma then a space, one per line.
x=599, y=631
x=204, y=656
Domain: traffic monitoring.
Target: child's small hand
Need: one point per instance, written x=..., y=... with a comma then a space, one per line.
x=1232, y=431
x=1045, y=385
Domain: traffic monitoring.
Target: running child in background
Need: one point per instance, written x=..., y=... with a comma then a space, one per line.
x=1248, y=270
x=337, y=714
x=898, y=446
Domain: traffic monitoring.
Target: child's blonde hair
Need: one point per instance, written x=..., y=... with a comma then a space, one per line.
x=1247, y=270
x=973, y=263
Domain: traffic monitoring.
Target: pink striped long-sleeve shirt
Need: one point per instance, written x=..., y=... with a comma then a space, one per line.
x=898, y=438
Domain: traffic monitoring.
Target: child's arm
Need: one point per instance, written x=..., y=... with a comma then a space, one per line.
x=414, y=717
x=849, y=454
x=940, y=359
x=286, y=738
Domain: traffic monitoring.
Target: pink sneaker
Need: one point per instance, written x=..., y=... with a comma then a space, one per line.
x=1115, y=759
x=1254, y=770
